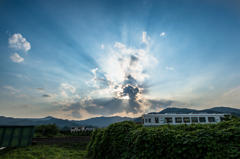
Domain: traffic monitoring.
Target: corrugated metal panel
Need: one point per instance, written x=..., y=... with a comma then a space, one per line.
x=12, y=136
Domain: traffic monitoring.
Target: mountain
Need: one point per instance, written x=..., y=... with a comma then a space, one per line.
x=102, y=121
x=36, y=121
x=92, y=122
x=217, y=110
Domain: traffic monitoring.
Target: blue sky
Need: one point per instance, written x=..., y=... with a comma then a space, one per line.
x=83, y=59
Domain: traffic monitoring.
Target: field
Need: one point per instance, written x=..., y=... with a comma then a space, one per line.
x=66, y=150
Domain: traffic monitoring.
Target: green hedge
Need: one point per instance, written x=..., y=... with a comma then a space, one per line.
x=129, y=141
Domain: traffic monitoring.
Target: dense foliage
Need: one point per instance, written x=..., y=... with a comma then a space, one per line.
x=127, y=140
x=41, y=151
x=47, y=130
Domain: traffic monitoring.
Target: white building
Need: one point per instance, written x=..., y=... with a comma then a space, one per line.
x=176, y=119
x=76, y=129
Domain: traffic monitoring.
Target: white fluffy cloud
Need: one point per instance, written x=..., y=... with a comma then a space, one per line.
x=162, y=34
x=68, y=87
x=18, y=42
x=145, y=38
x=102, y=46
x=16, y=58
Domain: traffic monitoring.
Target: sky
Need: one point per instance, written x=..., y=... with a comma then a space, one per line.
x=80, y=59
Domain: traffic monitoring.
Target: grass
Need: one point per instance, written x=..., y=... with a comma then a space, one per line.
x=59, y=151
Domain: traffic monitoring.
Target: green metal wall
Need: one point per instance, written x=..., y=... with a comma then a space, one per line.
x=12, y=136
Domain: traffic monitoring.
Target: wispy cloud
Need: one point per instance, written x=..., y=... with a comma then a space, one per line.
x=169, y=68
x=68, y=87
x=18, y=42
x=16, y=58
x=162, y=34
x=145, y=38
x=40, y=89
x=21, y=76
x=10, y=88
x=102, y=46
x=49, y=95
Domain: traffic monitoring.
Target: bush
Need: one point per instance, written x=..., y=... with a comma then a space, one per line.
x=126, y=140
x=47, y=130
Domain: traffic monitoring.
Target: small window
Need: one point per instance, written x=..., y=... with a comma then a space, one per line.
x=186, y=119
x=146, y=120
x=211, y=119
x=178, y=120
x=72, y=128
x=168, y=120
x=149, y=120
x=194, y=119
x=156, y=120
x=202, y=119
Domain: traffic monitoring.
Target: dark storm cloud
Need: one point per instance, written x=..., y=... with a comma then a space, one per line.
x=104, y=106
x=130, y=80
x=130, y=91
x=133, y=60
x=46, y=96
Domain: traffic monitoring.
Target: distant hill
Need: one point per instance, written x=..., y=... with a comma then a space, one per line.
x=216, y=110
x=92, y=122
x=102, y=121
x=29, y=121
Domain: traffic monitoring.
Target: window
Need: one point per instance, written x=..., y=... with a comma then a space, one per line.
x=186, y=119
x=145, y=120
x=178, y=120
x=156, y=120
x=211, y=119
x=202, y=119
x=168, y=120
x=149, y=120
x=72, y=128
x=194, y=119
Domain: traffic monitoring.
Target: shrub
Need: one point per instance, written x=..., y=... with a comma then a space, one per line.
x=49, y=130
x=126, y=140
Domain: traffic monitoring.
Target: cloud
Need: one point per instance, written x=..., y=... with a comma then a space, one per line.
x=102, y=46
x=169, y=68
x=76, y=114
x=76, y=97
x=21, y=76
x=26, y=106
x=161, y=103
x=162, y=34
x=145, y=38
x=10, y=88
x=68, y=87
x=64, y=94
x=119, y=45
x=16, y=58
x=47, y=96
x=40, y=89
x=18, y=42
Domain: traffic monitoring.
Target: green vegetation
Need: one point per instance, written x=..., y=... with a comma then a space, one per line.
x=64, y=150
x=126, y=140
x=51, y=130
x=46, y=130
